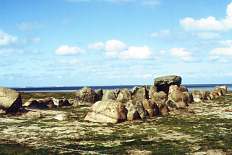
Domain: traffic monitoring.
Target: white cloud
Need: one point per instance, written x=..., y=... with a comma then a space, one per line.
x=97, y=46
x=115, y=46
x=161, y=34
x=118, y=49
x=7, y=39
x=182, y=54
x=222, y=54
x=210, y=23
x=68, y=50
x=136, y=52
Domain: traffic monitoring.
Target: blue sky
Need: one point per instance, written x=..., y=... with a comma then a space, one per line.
x=114, y=42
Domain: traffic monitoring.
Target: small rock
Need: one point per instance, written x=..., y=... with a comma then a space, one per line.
x=60, y=117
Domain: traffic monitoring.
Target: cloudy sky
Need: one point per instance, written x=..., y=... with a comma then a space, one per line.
x=114, y=42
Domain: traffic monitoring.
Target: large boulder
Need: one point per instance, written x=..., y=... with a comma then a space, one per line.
x=135, y=110
x=179, y=99
x=109, y=111
x=10, y=100
x=86, y=95
x=164, y=82
x=139, y=93
x=124, y=96
x=109, y=95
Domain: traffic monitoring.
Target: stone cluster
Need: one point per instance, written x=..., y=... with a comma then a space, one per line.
x=201, y=96
x=140, y=102
x=167, y=94
x=118, y=105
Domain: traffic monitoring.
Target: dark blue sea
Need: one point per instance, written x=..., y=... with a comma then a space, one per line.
x=74, y=88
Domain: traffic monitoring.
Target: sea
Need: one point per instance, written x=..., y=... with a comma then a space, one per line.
x=75, y=88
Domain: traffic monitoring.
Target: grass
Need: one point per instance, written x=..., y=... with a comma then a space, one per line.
x=210, y=127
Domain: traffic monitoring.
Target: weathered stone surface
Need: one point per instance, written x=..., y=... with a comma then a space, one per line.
x=206, y=95
x=190, y=97
x=86, y=94
x=139, y=93
x=213, y=95
x=198, y=96
x=221, y=90
x=164, y=82
x=109, y=111
x=152, y=90
x=178, y=97
x=109, y=95
x=183, y=88
x=163, y=110
x=135, y=110
x=173, y=88
x=124, y=96
x=151, y=108
x=10, y=100
x=160, y=98
x=223, y=87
